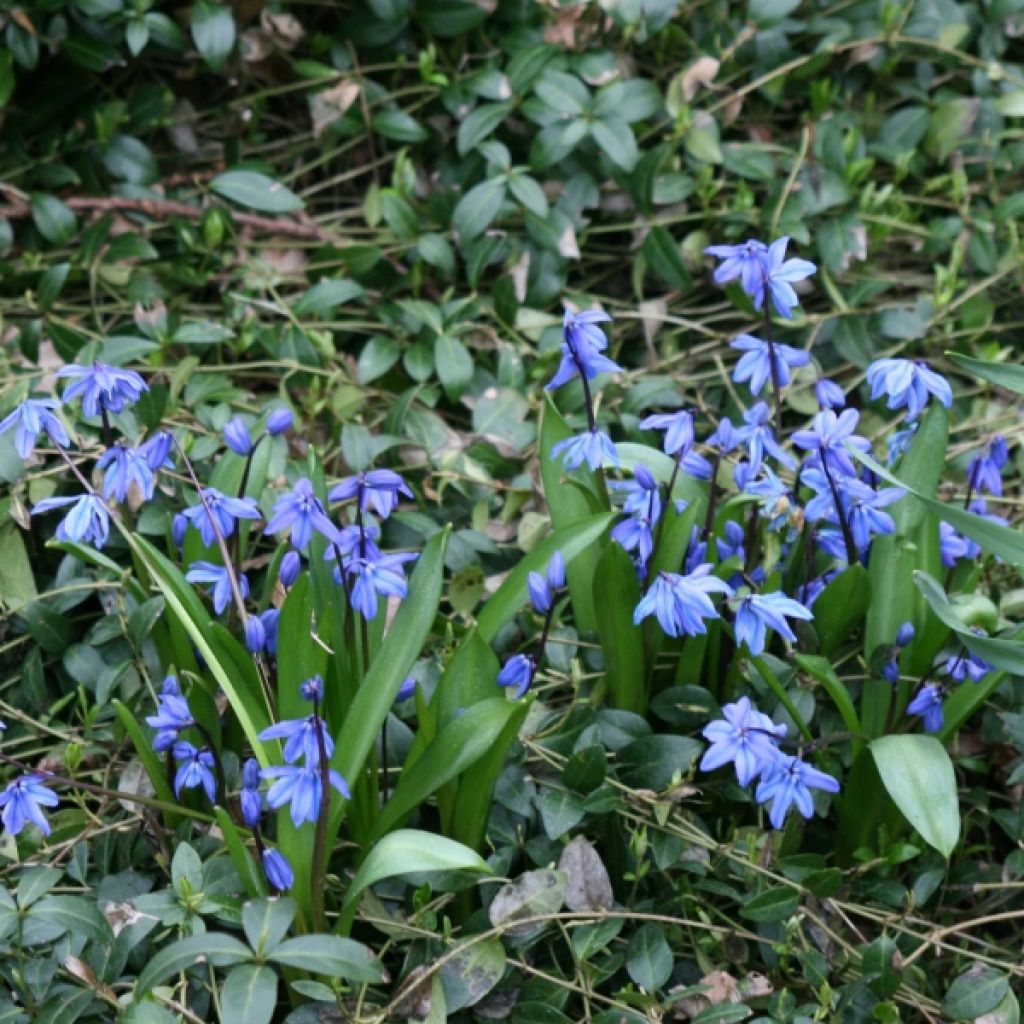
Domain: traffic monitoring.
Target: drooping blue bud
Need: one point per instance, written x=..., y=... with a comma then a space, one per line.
x=279, y=421
x=291, y=566
x=236, y=435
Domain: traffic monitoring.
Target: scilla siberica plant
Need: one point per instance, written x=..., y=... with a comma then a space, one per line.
x=726, y=543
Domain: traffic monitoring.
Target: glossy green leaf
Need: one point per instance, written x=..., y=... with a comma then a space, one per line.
x=407, y=852
x=257, y=191
x=918, y=774
x=401, y=647
x=457, y=747
x=332, y=955
x=477, y=209
x=576, y=540
x=214, y=948
x=213, y=31
x=617, y=594
x=249, y=995
x=1004, y=375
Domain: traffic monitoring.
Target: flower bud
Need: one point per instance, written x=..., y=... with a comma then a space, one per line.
x=645, y=478
x=236, y=434
x=556, y=571
x=291, y=566
x=905, y=634
x=279, y=421
x=278, y=870
x=156, y=449
x=179, y=524
x=255, y=634
x=540, y=592
x=313, y=689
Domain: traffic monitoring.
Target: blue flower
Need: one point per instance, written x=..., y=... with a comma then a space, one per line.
x=313, y=689
x=255, y=635
x=23, y=801
x=195, y=768
x=757, y=612
x=678, y=427
x=731, y=545
x=864, y=509
x=828, y=436
x=787, y=783
x=965, y=665
x=556, y=571
x=250, y=798
x=905, y=634
x=951, y=545
x=541, y=595
x=756, y=363
x=102, y=387
x=979, y=508
x=179, y=527
x=33, y=417
x=829, y=394
x=237, y=437
x=301, y=511
x=984, y=473
x=406, y=690
x=725, y=439
x=299, y=786
x=635, y=533
x=899, y=442
x=594, y=447
x=124, y=467
x=220, y=578
x=745, y=737
x=270, y=619
x=300, y=736
x=382, y=576
x=226, y=511
x=927, y=703
x=744, y=262
x=377, y=489
x=88, y=520
x=908, y=383
x=583, y=345
x=173, y=715
x=760, y=440
x=277, y=869
x=279, y=421
x=157, y=450
x=518, y=672
x=779, y=277
x=775, y=500
x=682, y=603
x=291, y=566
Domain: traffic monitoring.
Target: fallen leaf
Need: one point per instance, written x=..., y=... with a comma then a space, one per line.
x=588, y=886
x=330, y=105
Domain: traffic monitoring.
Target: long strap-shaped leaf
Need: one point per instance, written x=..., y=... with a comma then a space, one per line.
x=249, y=707
x=401, y=647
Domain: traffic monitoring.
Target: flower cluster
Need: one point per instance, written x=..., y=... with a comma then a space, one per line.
x=749, y=740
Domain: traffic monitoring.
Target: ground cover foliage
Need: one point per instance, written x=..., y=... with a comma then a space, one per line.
x=334, y=243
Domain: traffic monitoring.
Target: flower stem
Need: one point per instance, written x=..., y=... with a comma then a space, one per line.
x=851, y=547
x=318, y=880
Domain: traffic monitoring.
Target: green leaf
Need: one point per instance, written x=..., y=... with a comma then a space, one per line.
x=73, y=914
x=478, y=208
x=213, y=31
x=257, y=191
x=17, y=581
x=918, y=774
x=326, y=294
x=979, y=990
x=480, y=123
x=407, y=852
x=652, y=761
x=454, y=364
x=215, y=948
x=1004, y=375
x=649, y=958
x=398, y=126
x=251, y=873
x=894, y=559
x=249, y=995
x=665, y=259
x=266, y=922
x=616, y=140
x=402, y=645
x=53, y=219
x=1011, y=104
x=330, y=954
x=130, y=159
x=471, y=971
x=576, y=540
x=841, y=606
x=563, y=93
x=617, y=594
x=1000, y=541
x=772, y=905
x=7, y=77
x=459, y=745
x=821, y=669
x=529, y=193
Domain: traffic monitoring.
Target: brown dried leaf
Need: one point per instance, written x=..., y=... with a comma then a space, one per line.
x=330, y=105
x=285, y=30
x=588, y=886
x=701, y=73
